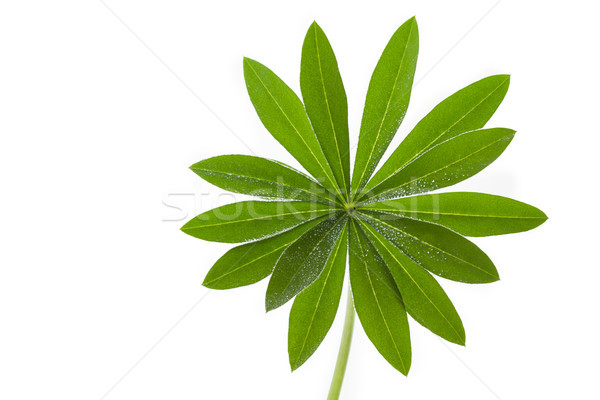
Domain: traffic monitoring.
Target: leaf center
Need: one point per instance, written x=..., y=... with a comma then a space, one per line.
x=350, y=208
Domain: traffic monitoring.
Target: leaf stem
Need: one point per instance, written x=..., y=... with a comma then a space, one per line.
x=342, y=359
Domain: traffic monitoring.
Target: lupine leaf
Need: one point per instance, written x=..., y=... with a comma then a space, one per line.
x=378, y=303
x=252, y=262
x=325, y=101
x=303, y=261
x=468, y=213
x=445, y=164
x=392, y=240
x=423, y=297
x=387, y=100
x=440, y=250
x=466, y=110
x=314, y=309
x=283, y=114
x=260, y=177
x=250, y=220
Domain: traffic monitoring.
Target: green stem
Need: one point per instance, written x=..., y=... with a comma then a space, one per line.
x=342, y=359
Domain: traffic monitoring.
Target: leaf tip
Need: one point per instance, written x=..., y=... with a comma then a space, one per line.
x=494, y=276
x=487, y=278
x=195, y=168
x=209, y=284
x=413, y=21
x=294, y=365
x=510, y=134
x=247, y=61
x=270, y=305
x=500, y=77
x=404, y=370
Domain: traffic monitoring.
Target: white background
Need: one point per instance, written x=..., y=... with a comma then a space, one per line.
x=99, y=295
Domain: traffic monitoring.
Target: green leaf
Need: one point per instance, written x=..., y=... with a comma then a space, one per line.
x=378, y=303
x=314, y=309
x=325, y=101
x=303, y=261
x=445, y=164
x=260, y=177
x=251, y=262
x=440, y=250
x=387, y=100
x=283, y=114
x=470, y=214
x=393, y=241
x=466, y=110
x=423, y=297
x=250, y=220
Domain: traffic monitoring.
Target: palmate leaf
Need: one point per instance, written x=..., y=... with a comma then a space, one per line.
x=314, y=309
x=260, y=177
x=387, y=101
x=470, y=214
x=325, y=100
x=392, y=241
x=250, y=220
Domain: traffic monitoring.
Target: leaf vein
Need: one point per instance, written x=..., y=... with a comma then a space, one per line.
x=367, y=269
x=335, y=138
x=386, y=109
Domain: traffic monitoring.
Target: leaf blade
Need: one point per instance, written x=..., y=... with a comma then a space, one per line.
x=260, y=177
x=314, y=309
x=467, y=213
x=378, y=303
x=435, y=248
x=283, y=114
x=325, y=101
x=445, y=164
x=251, y=220
x=423, y=297
x=387, y=101
x=466, y=110
x=303, y=261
